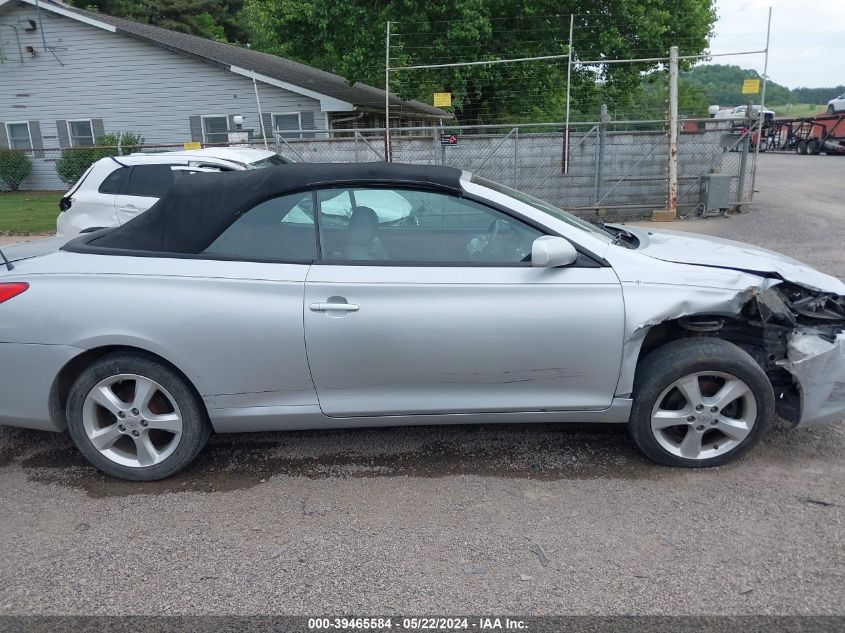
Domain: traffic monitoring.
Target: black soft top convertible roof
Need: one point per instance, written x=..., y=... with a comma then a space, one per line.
x=199, y=207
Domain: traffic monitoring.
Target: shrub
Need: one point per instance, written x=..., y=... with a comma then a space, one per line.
x=128, y=142
x=14, y=167
x=74, y=161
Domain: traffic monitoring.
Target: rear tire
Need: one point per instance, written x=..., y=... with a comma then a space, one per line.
x=726, y=419
x=136, y=418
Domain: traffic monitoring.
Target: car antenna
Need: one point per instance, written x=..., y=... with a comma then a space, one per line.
x=6, y=260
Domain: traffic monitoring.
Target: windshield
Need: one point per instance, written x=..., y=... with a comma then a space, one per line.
x=545, y=207
x=270, y=161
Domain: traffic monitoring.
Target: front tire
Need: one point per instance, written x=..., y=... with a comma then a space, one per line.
x=136, y=418
x=699, y=402
x=830, y=110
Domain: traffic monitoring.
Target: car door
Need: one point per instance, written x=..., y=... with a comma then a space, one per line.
x=252, y=322
x=438, y=310
x=142, y=189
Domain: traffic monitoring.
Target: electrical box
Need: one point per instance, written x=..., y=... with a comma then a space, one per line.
x=715, y=193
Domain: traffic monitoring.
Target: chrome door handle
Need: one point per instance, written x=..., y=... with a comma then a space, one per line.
x=321, y=306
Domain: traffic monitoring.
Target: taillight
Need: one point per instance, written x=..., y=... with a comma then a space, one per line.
x=7, y=291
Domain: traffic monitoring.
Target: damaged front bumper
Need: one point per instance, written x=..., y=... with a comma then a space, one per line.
x=818, y=366
x=804, y=334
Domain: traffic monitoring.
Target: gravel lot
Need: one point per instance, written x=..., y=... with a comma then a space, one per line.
x=531, y=519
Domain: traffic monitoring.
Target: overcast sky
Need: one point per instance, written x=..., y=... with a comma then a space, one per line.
x=807, y=43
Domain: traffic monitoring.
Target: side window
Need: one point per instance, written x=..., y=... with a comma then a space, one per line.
x=19, y=135
x=279, y=229
x=284, y=123
x=150, y=181
x=81, y=133
x=112, y=182
x=215, y=129
x=413, y=226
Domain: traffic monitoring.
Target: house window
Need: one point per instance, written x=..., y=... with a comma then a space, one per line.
x=81, y=133
x=215, y=129
x=19, y=136
x=287, y=121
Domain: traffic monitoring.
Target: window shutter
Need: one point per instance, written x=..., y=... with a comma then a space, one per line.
x=195, y=123
x=306, y=118
x=98, y=128
x=267, y=120
x=4, y=140
x=61, y=128
x=37, y=141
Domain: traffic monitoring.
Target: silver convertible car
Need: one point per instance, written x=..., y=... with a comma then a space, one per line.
x=277, y=299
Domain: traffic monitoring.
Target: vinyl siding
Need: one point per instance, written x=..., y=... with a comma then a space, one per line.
x=131, y=85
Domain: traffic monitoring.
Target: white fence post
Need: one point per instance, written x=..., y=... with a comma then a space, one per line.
x=672, y=195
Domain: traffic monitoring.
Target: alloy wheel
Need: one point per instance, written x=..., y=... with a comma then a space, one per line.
x=132, y=420
x=703, y=415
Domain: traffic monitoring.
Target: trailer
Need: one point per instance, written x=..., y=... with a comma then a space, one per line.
x=824, y=133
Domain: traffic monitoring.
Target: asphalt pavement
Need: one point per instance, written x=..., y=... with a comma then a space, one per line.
x=533, y=519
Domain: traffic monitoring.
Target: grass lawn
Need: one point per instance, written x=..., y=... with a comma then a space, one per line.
x=27, y=212
x=799, y=110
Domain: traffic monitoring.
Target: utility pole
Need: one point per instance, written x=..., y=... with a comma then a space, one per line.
x=762, y=106
x=568, y=91
x=387, y=95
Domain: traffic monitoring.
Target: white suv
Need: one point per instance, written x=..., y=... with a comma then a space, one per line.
x=837, y=104
x=116, y=189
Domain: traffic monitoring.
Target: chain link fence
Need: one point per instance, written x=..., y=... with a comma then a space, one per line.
x=609, y=169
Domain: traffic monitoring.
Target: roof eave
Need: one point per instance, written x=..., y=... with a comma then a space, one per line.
x=60, y=10
x=327, y=103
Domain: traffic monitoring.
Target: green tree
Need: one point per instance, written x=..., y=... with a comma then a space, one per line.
x=213, y=19
x=347, y=37
x=816, y=96
x=653, y=97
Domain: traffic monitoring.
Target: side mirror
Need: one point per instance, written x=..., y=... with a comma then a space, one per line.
x=549, y=251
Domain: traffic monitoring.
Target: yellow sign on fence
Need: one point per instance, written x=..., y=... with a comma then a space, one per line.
x=192, y=145
x=442, y=99
x=750, y=86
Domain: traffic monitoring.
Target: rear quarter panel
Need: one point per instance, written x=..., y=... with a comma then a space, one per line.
x=234, y=328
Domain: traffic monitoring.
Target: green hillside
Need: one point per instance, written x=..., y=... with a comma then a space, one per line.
x=722, y=84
